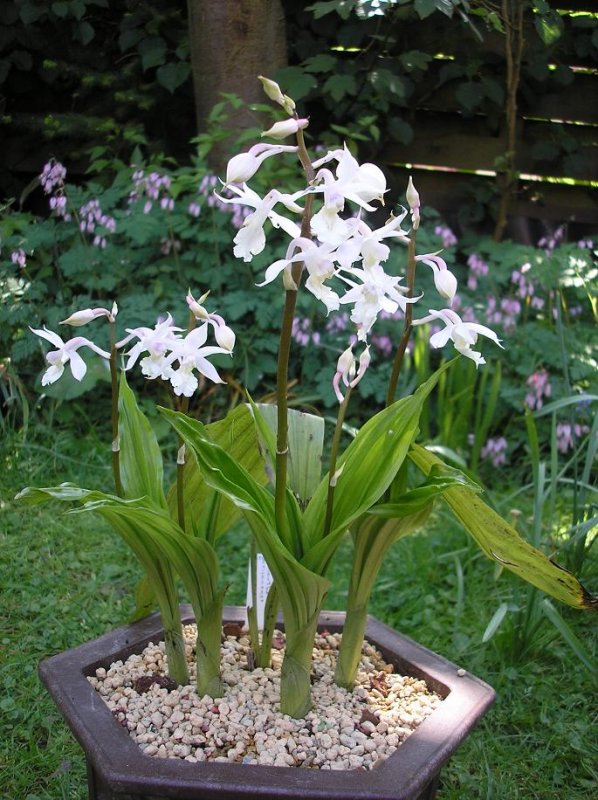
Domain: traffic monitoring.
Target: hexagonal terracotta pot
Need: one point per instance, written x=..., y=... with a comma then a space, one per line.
x=117, y=770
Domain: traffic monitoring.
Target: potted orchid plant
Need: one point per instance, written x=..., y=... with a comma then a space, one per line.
x=264, y=462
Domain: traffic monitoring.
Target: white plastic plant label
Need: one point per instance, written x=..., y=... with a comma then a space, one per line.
x=264, y=582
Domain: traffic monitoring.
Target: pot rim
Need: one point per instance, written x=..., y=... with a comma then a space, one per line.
x=120, y=763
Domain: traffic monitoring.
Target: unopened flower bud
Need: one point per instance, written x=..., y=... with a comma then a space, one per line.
x=346, y=363
x=272, y=89
x=241, y=168
x=195, y=306
x=86, y=315
x=225, y=337
x=287, y=127
x=412, y=197
x=364, y=363
x=446, y=283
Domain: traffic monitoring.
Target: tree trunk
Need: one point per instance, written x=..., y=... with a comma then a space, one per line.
x=231, y=43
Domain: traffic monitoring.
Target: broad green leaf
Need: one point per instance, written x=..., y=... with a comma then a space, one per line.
x=501, y=542
x=135, y=524
x=173, y=75
x=306, y=443
x=145, y=599
x=220, y=470
x=415, y=500
x=369, y=463
x=140, y=456
x=33, y=495
x=210, y=516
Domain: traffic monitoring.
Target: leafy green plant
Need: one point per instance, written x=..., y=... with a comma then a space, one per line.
x=272, y=475
x=521, y=624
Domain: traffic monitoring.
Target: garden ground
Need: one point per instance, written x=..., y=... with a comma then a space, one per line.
x=67, y=579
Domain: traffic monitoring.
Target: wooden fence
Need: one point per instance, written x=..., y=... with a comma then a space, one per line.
x=449, y=148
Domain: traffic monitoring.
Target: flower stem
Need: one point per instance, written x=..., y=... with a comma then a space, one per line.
x=408, y=327
x=340, y=419
x=180, y=471
x=282, y=371
x=114, y=415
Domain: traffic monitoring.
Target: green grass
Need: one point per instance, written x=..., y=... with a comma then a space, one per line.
x=67, y=579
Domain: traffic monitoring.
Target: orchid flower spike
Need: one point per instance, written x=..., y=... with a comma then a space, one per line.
x=463, y=334
x=412, y=197
x=88, y=314
x=287, y=127
x=243, y=166
x=66, y=353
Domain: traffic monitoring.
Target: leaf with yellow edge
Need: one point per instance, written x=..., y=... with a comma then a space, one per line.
x=501, y=542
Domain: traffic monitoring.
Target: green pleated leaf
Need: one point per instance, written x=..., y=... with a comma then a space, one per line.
x=221, y=470
x=145, y=599
x=412, y=501
x=33, y=495
x=210, y=513
x=501, y=542
x=370, y=462
x=140, y=457
x=306, y=443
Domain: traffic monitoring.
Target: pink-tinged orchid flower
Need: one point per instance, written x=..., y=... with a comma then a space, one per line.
x=157, y=342
x=376, y=292
x=243, y=166
x=444, y=280
x=318, y=261
x=66, y=353
x=88, y=314
x=463, y=334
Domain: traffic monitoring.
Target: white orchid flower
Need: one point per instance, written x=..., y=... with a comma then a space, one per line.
x=318, y=261
x=376, y=292
x=88, y=314
x=243, y=166
x=251, y=239
x=463, y=334
x=365, y=243
x=191, y=356
x=66, y=353
x=444, y=280
x=358, y=183
x=156, y=342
